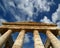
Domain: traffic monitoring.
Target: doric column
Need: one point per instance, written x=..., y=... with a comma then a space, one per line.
x=4, y=37
x=37, y=40
x=50, y=47
x=47, y=43
x=55, y=42
x=19, y=41
x=58, y=33
x=0, y=34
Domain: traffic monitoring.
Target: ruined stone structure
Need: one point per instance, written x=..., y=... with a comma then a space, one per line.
x=9, y=28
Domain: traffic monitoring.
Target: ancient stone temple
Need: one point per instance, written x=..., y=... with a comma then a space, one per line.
x=9, y=28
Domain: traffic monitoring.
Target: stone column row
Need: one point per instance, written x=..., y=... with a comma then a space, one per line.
x=4, y=37
x=37, y=39
x=19, y=41
x=55, y=42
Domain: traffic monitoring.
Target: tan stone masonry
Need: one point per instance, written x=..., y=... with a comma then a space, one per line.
x=50, y=30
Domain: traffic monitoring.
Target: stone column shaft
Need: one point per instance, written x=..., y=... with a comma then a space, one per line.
x=47, y=43
x=37, y=40
x=58, y=33
x=0, y=34
x=55, y=42
x=4, y=37
x=19, y=41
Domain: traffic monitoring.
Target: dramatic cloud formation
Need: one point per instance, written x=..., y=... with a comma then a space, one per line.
x=46, y=20
x=24, y=10
x=56, y=15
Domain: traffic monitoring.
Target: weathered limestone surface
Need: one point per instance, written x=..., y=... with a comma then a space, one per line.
x=28, y=27
x=0, y=34
x=19, y=41
x=55, y=42
x=58, y=33
x=47, y=43
x=4, y=37
x=28, y=23
x=37, y=40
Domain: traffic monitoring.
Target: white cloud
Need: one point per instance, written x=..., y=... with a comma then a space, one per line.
x=40, y=5
x=18, y=18
x=2, y=20
x=11, y=3
x=56, y=15
x=29, y=19
x=26, y=39
x=26, y=7
x=46, y=20
x=58, y=23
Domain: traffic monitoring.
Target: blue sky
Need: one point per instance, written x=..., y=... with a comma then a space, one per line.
x=47, y=11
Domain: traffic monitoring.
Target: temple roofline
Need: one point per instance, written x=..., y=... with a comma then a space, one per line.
x=28, y=23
